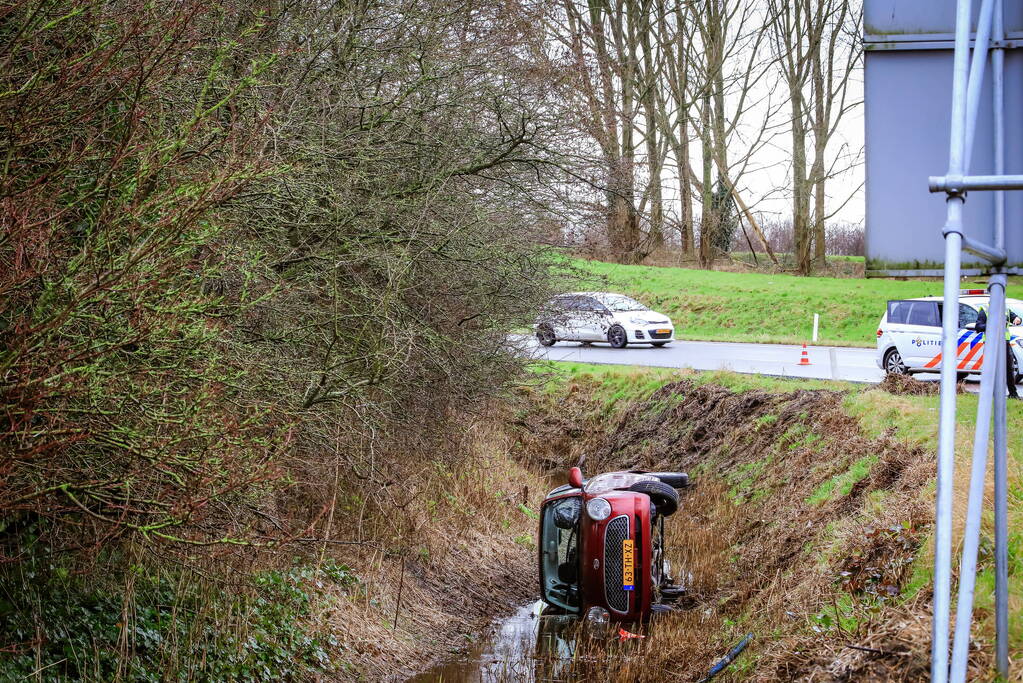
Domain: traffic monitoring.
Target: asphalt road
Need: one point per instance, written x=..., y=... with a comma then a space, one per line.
x=826, y=362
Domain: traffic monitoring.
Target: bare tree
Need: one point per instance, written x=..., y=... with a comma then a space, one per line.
x=816, y=54
x=724, y=82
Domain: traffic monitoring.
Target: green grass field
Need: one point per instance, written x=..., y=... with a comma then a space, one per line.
x=759, y=307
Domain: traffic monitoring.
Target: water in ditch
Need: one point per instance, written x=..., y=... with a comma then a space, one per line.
x=523, y=646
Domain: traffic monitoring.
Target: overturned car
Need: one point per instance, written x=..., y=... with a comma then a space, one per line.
x=601, y=550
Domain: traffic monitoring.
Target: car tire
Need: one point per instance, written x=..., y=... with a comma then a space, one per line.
x=658, y=343
x=662, y=495
x=893, y=364
x=545, y=336
x=617, y=337
x=676, y=480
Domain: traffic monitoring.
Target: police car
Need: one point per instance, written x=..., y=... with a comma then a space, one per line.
x=909, y=334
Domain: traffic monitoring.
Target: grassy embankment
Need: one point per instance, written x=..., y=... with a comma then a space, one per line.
x=326, y=611
x=758, y=307
x=810, y=525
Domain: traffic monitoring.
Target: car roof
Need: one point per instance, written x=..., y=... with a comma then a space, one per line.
x=599, y=296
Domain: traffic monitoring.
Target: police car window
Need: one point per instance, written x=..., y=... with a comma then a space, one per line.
x=924, y=313
x=967, y=315
x=897, y=311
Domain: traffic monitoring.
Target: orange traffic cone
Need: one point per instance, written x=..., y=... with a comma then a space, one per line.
x=803, y=358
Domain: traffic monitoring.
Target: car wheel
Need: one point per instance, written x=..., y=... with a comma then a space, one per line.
x=893, y=364
x=662, y=495
x=658, y=343
x=545, y=336
x=616, y=337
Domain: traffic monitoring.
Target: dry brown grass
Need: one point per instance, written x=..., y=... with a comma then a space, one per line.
x=458, y=553
x=790, y=494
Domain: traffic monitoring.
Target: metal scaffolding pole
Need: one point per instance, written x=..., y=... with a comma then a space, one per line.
x=992, y=401
x=1001, y=427
x=953, y=233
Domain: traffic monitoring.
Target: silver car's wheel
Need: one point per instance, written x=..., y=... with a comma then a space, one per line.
x=893, y=364
x=616, y=337
x=545, y=336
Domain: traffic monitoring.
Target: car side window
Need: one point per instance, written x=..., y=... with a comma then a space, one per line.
x=587, y=303
x=575, y=303
x=967, y=315
x=924, y=313
x=897, y=311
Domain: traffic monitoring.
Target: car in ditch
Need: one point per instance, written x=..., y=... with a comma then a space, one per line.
x=590, y=317
x=909, y=335
x=601, y=545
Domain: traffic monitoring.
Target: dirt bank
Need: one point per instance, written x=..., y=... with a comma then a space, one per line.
x=802, y=529
x=454, y=551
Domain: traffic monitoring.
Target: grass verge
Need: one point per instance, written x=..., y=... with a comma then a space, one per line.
x=758, y=307
x=810, y=524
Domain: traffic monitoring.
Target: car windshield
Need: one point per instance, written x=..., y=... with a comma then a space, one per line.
x=620, y=304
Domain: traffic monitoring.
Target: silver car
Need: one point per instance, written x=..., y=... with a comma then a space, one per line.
x=589, y=317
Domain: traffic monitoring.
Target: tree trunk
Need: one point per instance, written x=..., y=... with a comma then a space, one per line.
x=708, y=218
x=800, y=189
x=653, y=152
x=686, y=189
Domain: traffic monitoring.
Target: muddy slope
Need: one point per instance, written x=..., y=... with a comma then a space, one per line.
x=801, y=530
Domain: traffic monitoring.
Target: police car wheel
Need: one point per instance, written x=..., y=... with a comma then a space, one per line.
x=893, y=364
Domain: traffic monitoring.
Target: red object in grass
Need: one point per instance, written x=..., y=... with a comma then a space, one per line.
x=625, y=635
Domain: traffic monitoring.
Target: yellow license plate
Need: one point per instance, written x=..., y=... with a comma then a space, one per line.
x=663, y=331
x=628, y=565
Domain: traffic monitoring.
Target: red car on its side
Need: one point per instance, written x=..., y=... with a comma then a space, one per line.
x=601, y=554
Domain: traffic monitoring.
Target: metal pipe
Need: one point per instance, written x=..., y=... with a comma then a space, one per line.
x=958, y=184
x=993, y=255
x=976, y=82
x=961, y=59
x=994, y=338
x=949, y=332
x=1001, y=510
x=998, y=108
x=1001, y=421
x=946, y=454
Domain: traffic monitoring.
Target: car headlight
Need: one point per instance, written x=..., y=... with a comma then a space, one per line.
x=598, y=509
x=1019, y=342
x=597, y=616
x=637, y=321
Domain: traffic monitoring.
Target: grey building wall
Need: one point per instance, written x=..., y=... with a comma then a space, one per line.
x=908, y=96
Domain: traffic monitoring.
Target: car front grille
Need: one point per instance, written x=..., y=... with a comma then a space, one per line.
x=616, y=531
x=654, y=334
